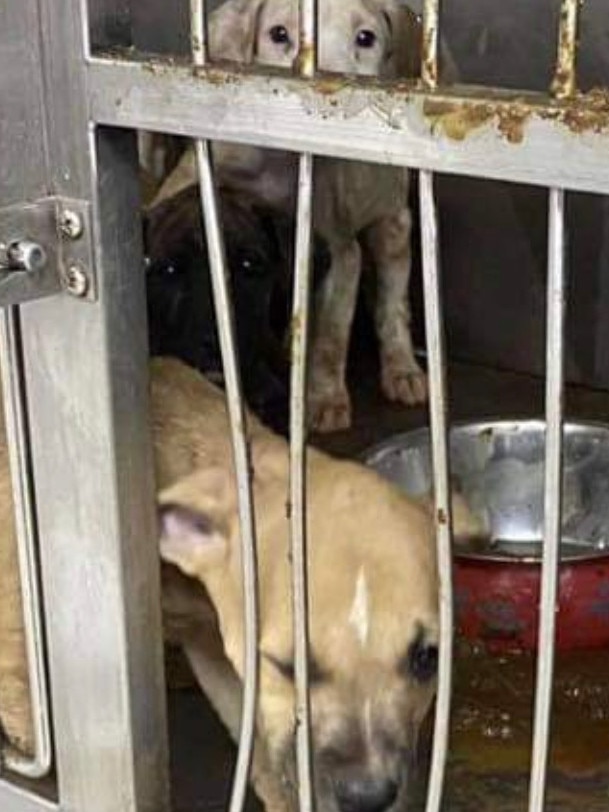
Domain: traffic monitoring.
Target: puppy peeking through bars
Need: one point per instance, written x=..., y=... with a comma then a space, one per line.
x=356, y=205
x=373, y=589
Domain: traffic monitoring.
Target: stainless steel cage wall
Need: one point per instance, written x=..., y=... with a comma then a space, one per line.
x=69, y=116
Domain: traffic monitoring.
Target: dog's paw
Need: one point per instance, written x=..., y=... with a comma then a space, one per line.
x=329, y=412
x=407, y=386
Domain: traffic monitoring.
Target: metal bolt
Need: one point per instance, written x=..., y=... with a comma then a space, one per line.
x=70, y=224
x=76, y=281
x=22, y=255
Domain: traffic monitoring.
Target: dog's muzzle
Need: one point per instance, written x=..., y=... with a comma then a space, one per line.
x=358, y=793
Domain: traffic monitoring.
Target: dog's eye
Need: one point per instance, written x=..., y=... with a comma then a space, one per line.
x=422, y=661
x=365, y=38
x=279, y=35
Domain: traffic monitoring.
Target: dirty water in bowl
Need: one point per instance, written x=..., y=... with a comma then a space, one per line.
x=491, y=733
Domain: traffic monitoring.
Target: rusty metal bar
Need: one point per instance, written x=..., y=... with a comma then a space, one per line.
x=552, y=497
x=438, y=408
x=18, y=447
x=198, y=32
x=241, y=450
x=498, y=136
x=564, y=83
x=298, y=459
x=431, y=39
x=307, y=53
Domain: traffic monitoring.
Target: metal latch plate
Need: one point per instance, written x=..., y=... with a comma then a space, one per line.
x=69, y=262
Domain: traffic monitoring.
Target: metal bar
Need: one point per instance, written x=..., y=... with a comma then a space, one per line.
x=438, y=407
x=15, y=799
x=307, y=52
x=499, y=136
x=87, y=385
x=564, y=83
x=298, y=459
x=241, y=455
x=431, y=38
x=198, y=32
x=552, y=497
x=241, y=450
x=18, y=448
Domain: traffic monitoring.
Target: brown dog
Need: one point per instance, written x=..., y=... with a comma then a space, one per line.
x=373, y=596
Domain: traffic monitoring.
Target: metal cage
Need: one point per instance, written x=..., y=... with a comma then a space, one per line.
x=77, y=377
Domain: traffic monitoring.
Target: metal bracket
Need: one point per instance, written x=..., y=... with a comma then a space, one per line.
x=45, y=248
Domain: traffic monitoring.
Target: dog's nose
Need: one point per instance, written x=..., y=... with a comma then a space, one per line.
x=365, y=794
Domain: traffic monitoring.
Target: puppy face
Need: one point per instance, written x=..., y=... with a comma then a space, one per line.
x=373, y=622
x=360, y=37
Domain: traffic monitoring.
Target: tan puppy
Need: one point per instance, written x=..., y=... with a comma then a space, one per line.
x=373, y=595
x=351, y=200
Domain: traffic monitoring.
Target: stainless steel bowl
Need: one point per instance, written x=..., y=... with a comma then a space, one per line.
x=498, y=467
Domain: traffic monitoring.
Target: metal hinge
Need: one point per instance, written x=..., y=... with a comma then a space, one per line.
x=45, y=248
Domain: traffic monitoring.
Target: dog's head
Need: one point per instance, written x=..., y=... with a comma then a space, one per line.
x=373, y=617
x=362, y=37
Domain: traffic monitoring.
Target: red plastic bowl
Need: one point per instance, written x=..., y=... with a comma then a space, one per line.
x=497, y=603
x=498, y=468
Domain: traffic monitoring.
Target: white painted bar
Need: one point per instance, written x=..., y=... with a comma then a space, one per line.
x=552, y=498
x=298, y=489
x=438, y=407
x=241, y=455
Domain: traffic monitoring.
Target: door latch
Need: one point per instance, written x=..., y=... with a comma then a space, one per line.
x=45, y=248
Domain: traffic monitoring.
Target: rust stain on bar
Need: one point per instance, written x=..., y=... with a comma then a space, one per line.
x=457, y=119
x=456, y=114
x=431, y=33
x=305, y=62
x=564, y=83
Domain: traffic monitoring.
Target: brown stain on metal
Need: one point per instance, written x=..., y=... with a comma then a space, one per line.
x=442, y=518
x=454, y=117
x=457, y=119
x=305, y=61
x=329, y=85
x=429, y=65
x=564, y=83
x=588, y=112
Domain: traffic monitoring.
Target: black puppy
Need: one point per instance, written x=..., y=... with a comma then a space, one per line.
x=259, y=247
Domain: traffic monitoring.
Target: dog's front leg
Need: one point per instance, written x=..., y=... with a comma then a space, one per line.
x=328, y=398
x=402, y=379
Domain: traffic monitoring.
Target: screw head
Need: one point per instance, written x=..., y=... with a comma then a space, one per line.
x=25, y=255
x=70, y=224
x=76, y=281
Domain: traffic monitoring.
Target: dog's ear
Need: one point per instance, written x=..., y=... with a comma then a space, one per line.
x=233, y=30
x=189, y=539
x=406, y=33
x=194, y=522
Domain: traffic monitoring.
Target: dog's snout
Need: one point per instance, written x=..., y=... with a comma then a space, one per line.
x=360, y=794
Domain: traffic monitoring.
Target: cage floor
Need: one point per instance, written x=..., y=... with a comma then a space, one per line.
x=490, y=734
